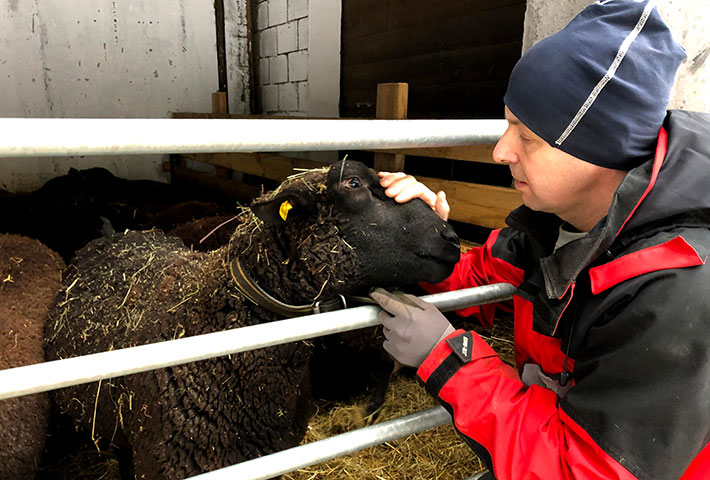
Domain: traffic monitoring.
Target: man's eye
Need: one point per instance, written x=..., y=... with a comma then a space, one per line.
x=353, y=182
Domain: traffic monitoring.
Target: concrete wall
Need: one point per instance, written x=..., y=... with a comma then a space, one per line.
x=237, y=53
x=69, y=58
x=686, y=18
x=297, y=57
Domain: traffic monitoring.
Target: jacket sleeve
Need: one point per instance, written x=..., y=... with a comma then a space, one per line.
x=498, y=260
x=518, y=430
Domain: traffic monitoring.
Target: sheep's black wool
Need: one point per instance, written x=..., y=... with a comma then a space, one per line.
x=321, y=233
x=70, y=210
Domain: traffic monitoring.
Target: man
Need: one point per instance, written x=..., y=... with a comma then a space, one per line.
x=608, y=253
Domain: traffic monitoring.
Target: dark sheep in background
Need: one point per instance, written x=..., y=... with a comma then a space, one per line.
x=323, y=233
x=70, y=210
x=30, y=276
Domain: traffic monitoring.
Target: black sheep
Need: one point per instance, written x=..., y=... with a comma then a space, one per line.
x=70, y=210
x=322, y=233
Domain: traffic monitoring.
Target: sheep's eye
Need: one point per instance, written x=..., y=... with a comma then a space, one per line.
x=353, y=182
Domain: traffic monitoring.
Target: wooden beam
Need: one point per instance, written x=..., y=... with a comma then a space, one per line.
x=266, y=165
x=469, y=153
x=219, y=105
x=483, y=205
x=391, y=105
x=220, y=110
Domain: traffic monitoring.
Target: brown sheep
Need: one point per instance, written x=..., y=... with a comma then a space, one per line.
x=30, y=276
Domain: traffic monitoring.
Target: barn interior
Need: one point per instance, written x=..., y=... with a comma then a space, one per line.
x=237, y=59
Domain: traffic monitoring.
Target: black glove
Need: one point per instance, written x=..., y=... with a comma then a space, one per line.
x=412, y=326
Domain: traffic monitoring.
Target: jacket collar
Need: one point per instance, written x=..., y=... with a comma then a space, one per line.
x=561, y=268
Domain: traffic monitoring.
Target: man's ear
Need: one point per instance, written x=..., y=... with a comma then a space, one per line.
x=286, y=206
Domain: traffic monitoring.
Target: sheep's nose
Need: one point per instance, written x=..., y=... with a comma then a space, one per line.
x=448, y=233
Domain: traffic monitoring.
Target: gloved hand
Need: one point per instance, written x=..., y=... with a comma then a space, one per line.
x=412, y=326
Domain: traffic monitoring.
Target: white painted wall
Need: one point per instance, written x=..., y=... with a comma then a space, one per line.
x=104, y=58
x=686, y=18
x=324, y=18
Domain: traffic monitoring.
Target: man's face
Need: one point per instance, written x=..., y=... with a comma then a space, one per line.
x=553, y=181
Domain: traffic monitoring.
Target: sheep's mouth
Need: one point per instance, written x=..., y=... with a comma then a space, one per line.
x=448, y=260
x=434, y=269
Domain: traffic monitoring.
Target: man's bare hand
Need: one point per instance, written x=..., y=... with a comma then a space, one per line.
x=403, y=188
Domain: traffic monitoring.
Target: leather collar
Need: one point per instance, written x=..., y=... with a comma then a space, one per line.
x=250, y=289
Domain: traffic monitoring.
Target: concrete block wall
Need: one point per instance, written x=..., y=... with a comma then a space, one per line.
x=281, y=56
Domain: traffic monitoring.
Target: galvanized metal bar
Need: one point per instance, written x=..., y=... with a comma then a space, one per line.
x=46, y=376
x=323, y=450
x=42, y=137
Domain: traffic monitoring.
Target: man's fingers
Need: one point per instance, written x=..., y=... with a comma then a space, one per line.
x=387, y=178
x=416, y=190
x=399, y=185
x=441, y=206
x=410, y=300
x=389, y=302
x=403, y=188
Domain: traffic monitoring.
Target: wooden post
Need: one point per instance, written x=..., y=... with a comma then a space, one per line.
x=219, y=105
x=391, y=105
x=219, y=110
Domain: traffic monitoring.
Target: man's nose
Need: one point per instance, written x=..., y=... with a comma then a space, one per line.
x=504, y=152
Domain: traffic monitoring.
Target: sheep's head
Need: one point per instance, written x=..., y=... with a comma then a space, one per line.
x=370, y=239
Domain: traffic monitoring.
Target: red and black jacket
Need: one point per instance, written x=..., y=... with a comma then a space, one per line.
x=626, y=309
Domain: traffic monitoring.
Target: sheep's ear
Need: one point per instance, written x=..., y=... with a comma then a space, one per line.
x=286, y=206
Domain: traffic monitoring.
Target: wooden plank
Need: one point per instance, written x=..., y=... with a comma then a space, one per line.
x=468, y=64
x=246, y=116
x=358, y=14
x=391, y=105
x=470, y=153
x=456, y=55
x=453, y=33
x=481, y=99
x=266, y=165
x=190, y=115
x=220, y=110
x=219, y=104
x=242, y=161
x=483, y=205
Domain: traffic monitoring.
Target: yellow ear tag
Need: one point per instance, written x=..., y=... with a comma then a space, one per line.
x=283, y=210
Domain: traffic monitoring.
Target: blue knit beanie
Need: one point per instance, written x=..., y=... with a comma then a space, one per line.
x=599, y=88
